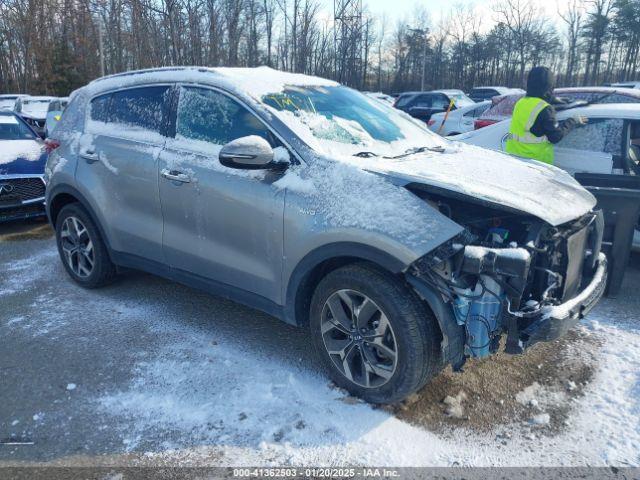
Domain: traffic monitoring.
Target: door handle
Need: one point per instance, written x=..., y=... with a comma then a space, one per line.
x=175, y=175
x=89, y=156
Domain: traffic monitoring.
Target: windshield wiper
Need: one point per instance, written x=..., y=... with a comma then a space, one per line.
x=365, y=154
x=413, y=151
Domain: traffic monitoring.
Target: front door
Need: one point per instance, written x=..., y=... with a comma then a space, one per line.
x=220, y=223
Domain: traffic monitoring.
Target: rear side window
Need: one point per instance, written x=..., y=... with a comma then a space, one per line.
x=440, y=101
x=210, y=116
x=423, y=101
x=144, y=108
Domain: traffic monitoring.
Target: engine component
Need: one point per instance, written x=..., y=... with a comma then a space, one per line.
x=480, y=311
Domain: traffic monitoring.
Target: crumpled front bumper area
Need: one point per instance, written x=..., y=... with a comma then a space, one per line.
x=552, y=322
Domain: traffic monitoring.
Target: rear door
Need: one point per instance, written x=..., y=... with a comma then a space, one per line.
x=221, y=224
x=118, y=166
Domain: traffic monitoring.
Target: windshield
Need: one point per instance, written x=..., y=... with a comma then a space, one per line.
x=35, y=108
x=13, y=129
x=342, y=121
x=7, y=103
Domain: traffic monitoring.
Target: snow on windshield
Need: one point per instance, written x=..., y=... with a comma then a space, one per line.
x=335, y=121
x=36, y=108
x=7, y=103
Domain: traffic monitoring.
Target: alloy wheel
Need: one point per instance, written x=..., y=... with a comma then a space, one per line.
x=77, y=247
x=359, y=338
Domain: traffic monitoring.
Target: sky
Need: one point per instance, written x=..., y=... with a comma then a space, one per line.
x=402, y=9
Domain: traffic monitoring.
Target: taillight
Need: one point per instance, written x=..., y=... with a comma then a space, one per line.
x=50, y=145
x=482, y=123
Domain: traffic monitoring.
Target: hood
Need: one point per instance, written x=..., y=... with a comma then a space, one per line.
x=22, y=157
x=526, y=186
x=540, y=82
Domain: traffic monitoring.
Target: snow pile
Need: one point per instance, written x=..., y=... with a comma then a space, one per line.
x=11, y=150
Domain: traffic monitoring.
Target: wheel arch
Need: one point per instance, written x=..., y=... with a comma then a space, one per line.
x=63, y=195
x=318, y=263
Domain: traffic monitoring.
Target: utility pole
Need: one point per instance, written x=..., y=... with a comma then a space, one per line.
x=101, y=46
x=424, y=52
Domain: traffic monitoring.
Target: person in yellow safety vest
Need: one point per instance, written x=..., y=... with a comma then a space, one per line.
x=534, y=128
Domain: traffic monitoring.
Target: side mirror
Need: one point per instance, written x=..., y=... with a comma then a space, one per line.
x=252, y=153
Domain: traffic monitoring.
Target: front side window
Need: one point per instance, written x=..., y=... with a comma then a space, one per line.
x=599, y=135
x=209, y=116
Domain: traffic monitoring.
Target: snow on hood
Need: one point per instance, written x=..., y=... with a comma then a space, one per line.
x=528, y=186
x=21, y=156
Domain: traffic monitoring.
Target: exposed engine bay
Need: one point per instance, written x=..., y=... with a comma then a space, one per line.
x=514, y=274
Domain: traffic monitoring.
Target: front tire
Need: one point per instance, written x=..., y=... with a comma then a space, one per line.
x=81, y=248
x=372, y=333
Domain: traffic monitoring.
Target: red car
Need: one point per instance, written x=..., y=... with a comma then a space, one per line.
x=502, y=107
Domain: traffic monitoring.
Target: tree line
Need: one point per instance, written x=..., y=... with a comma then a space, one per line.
x=55, y=46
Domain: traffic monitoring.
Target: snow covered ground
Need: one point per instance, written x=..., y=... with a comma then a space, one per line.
x=150, y=372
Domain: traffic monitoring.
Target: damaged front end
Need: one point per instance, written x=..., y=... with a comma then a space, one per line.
x=508, y=274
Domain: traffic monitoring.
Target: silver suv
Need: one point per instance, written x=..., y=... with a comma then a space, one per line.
x=400, y=251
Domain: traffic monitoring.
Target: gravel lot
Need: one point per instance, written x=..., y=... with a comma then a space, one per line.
x=148, y=372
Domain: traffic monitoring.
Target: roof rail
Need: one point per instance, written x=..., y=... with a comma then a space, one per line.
x=150, y=70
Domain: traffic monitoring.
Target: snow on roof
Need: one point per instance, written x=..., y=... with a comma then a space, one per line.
x=255, y=82
x=607, y=110
x=31, y=98
x=629, y=92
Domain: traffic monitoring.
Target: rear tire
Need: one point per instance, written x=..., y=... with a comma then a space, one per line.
x=83, y=252
x=372, y=333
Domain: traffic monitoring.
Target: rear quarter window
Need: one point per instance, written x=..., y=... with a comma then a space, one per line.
x=403, y=100
x=71, y=123
x=98, y=110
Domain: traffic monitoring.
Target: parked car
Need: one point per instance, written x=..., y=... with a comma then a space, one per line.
x=626, y=85
x=54, y=113
x=458, y=121
x=480, y=94
x=607, y=144
x=502, y=107
x=8, y=101
x=22, y=161
x=422, y=105
x=33, y=110
x=398, y=250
